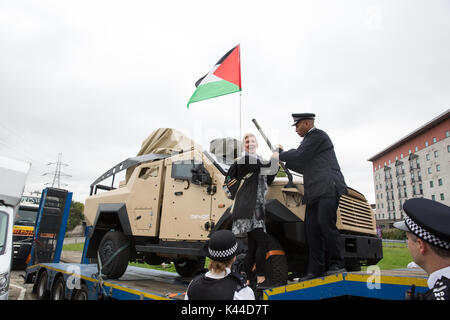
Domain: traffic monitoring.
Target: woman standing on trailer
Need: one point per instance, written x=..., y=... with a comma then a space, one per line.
x=249, y=207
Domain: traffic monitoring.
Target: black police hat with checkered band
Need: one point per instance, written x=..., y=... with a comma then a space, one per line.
x=222, y=246
x=427, y=219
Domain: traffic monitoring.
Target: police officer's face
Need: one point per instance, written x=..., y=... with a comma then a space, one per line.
x=250, y=144
x=415, y=247
x=302, y=127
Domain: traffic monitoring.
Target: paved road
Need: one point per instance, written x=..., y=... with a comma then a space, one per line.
x=18, y=290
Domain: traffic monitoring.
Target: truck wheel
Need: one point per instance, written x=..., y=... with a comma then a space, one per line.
x=81, y=294
x=112, y=242
x=42, y=292
x=189, y=268
x=276, y=263
x=58, y=290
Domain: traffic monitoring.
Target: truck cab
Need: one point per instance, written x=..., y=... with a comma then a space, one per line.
x=13, y=175
x=24, y=224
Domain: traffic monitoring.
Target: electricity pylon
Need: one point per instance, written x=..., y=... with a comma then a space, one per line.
x=57, y=174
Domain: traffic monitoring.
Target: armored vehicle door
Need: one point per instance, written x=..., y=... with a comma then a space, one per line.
x=187, y=199
x=145, y=200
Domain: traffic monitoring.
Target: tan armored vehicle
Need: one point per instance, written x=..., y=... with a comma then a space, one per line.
x=172, y=199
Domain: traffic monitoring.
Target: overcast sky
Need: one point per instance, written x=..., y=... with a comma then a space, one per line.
x=92, y=79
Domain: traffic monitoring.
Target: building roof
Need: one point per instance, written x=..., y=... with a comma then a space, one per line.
x=430, y=124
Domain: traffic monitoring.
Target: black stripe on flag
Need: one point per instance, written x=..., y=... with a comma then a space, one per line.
x=197, y=83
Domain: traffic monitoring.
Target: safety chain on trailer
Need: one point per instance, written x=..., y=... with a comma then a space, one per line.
x=101, y=277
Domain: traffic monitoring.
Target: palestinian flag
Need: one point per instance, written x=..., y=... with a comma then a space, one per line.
x=223, y=79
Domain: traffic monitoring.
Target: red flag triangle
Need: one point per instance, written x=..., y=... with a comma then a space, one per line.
x=230, y=68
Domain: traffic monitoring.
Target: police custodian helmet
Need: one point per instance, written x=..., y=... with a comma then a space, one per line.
x=428, y=220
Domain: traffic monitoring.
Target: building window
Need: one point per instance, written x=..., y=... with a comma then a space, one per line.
x=409, y=151
x=431, y=184
x=436, y=154
x=434, y=140
x=447, y=133
x=416, y=148
x=448, y=148
x=428, y=156
x=426, y=143
x=442, y=196
x=401, y=155
x=440, y=182
x=438, y=167
x=429, y=170
x=433, y=197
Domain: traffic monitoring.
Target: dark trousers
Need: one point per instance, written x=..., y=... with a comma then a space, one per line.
x=257, y=249
x=324, y=240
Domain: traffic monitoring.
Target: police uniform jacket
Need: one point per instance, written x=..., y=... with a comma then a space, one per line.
x=316, y=160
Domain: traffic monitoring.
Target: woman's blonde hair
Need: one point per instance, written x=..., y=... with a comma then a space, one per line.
x=249, y=134
x=219, y=266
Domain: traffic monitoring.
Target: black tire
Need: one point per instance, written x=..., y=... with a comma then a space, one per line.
x=41, y=289
x=81, y=294
x=113, y=241
x=189, y=268
x=59, y=289
x=276, y=263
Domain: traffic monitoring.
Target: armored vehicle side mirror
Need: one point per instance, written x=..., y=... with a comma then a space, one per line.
x=200, y=175
x=194, y=172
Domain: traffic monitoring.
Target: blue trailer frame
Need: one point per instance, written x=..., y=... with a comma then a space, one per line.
x=387, y=285
x=133, y=285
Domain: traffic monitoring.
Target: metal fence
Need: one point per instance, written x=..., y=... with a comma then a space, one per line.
x=394, y=243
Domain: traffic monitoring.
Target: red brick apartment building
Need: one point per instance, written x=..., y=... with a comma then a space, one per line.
x=418, y=165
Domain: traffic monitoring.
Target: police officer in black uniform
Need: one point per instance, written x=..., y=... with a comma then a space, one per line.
x=427, y=226
x=324, y=184
x=219, y=283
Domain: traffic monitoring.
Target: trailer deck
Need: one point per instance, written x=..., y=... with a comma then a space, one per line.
x=148, y=284
x=136, y=284
x=380, y=284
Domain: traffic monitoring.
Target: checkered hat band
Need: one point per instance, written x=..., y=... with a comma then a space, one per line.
x=223, y=253
x=425, y=235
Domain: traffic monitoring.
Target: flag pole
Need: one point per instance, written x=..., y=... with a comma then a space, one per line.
x=240, y=115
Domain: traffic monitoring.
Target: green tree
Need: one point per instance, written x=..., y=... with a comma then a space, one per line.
x=75, y=215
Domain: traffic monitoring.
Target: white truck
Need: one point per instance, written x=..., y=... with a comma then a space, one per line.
x=13, y=174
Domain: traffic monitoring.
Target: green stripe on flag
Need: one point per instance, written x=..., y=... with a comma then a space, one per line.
x=212, y=90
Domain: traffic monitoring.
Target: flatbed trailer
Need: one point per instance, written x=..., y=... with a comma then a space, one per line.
x=82, y=282
x=371, y=284
x=60, y=281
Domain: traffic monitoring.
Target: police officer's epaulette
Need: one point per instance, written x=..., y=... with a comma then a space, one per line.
x=441, y=289
x=242, y=283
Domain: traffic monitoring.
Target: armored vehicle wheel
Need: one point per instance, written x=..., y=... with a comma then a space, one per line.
x=189, y=268
x=276, y=269
x=115, y=252
x=276, y=263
